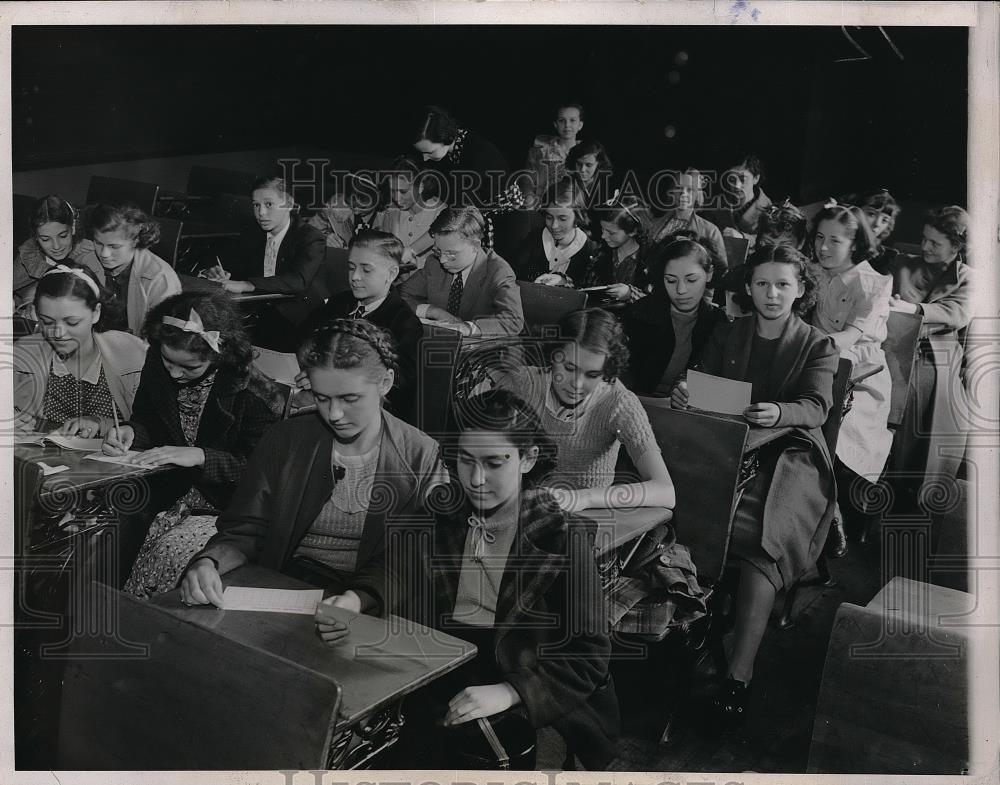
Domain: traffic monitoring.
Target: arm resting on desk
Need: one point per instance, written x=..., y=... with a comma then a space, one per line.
x=297, y=275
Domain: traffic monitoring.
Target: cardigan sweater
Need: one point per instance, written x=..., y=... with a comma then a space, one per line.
x=150, y=280
x=531, y=262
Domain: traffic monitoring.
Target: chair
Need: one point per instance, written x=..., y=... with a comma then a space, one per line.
x=437, y=359
x=721, y=217
x=736, y=250
x=335, y=271
x=23, y=206
x=210, y=181
x=112, y=190
x=839, y=407
x=234, y=210
x=282, y=368
x=168, y=246
x=544, y=306
x=900, y=347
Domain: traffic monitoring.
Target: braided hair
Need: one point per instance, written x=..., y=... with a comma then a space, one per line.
x=349, y=343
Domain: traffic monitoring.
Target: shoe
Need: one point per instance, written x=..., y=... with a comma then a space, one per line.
x=728, y=709
x=836, y=540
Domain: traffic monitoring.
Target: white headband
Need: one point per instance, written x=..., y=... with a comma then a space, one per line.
x=79, y=273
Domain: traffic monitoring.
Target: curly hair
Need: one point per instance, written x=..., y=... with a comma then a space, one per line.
x=628, y=214
x=952, y=222
x=854, y=221
x=349, y=343
x=779, y=254
x=665, y=252
x=128, y=218
x=783, y=224
x=502, y=411
x=216, y=312
x=598, y=331
x=589, y=147
x=883, y=202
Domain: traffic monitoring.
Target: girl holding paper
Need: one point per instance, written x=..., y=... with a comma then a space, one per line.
x=781, y=524
x=201, y=407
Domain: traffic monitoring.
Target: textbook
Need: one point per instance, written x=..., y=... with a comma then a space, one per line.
x=281, y=366
x=66, y=442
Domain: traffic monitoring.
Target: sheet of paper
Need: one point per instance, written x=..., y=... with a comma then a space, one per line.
x=31, y=438
x=447, y=325
x=715, y=394
x=279, y=366
x=47, y=470
x=122, y=459
x=74, y=442
x=247, y=598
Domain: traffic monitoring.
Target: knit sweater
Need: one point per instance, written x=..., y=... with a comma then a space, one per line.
x=588, y=442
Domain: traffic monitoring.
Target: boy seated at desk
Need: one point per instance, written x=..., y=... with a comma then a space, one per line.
x=463, y=285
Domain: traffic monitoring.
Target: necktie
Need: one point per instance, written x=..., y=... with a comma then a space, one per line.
x=455, y=294
x=270, y=257
x=359, y=312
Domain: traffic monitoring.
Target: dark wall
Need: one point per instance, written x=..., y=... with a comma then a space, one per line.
x=85, y=94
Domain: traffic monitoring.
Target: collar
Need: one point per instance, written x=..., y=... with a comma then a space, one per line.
x=372, y=307
x=279, y=236
x=559, y=410
x=92, y=375
x=562, y=255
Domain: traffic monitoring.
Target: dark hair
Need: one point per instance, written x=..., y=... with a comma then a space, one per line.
x=436, y=125
x=883, y=202
x=568, y=192
x=382, y=243
x=952, y=222
x=665, y=252
x=347, y=344
x=857, y=227
x=57, y=284
x=779, y=254
x=465, y=221
x=216, y=312
x=52, y=209
x=627, y=213
x=598, y=331
x=139, y=226
x=569, y=105
x=751, y=163
x=589, y=147
x=783, y=224
x=505, y=412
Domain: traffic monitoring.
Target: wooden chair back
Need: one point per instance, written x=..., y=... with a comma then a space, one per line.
x=211, y=181
x=736, y=250
x=437, y=360
x=841, y=383
x=234, y=210
x=335, y=271
x=168, y=246
x=544, y=306
x=114, y=190
x=900, y=347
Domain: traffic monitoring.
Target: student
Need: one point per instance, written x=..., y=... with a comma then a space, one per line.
x=350, y=207
x=668, y=329
x=135, y=277
x=69, y=370
x=562, y=245
x=373, y=265
x=284, y=258
x=53, y=241
x=504, y=556
x=306, y=504
x=411, y=213
x=587, y=411
x=687, y=194
x=881, y=211
x=741, y=184
x=201, y=407
x=546, y=162
x=463, y=284
x=781, y=524
x=620, y=262
x=852, y=307
x=589, y=162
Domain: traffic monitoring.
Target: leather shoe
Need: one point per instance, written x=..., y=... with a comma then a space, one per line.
x=836, y=539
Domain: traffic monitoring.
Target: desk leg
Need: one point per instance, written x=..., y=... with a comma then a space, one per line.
x=352, y=748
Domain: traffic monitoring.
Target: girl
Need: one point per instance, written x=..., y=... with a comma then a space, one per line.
x=742, y=186
x=54, y=241
x=503, y=556
x=589, y=162
x=588, y=412
x=852, y=307
x=70, y=371
x=136, y=278
x=351, y=208
x=546, y=163
x=562, y=245
x=620, y=261
x=202, y=406
x=314, y=502
x=781, y=523
x=411, y=214
x=667, y=330
x=688, y=194
x=285, y=257
x=881, y=212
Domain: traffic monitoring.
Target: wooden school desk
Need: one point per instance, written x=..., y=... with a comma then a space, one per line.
x=166, y=686
x=191, y=283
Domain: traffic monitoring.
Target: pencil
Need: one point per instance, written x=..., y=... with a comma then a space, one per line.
x=114, y=412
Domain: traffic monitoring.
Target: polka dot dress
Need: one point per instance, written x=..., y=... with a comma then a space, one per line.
x=67, y=397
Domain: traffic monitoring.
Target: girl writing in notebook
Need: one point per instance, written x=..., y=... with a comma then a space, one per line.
x=781, y=524
x=620, y=262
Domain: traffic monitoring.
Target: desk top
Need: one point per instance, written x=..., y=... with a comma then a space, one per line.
x=82, y=474
x=191, y=283
x=382, y=660
x=616, y=527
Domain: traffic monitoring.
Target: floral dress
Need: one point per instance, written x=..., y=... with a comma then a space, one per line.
x=177, y=534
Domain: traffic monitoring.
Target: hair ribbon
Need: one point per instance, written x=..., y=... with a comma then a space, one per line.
x=195, y=325
x=79, y=273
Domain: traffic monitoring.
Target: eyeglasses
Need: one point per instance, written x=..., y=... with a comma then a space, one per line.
x=449, y=256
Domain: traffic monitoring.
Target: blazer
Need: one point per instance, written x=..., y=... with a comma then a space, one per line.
x=297, y=271
x=490, y=298
x=396, y=317
x=946, y=306
x=558, y=667
x=240, y=407
x=122, y=355
x=531, y=261
x=288, y=480
x=802, y=495
x=150, y=281
x=650, y=332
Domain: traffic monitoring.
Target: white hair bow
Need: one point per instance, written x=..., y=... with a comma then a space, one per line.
x=195, y=325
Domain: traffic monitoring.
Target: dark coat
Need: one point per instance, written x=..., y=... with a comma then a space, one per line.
x=297, y=271
x=530, y=261
x=287, y=482
x=396, y=317
x=560, y=669
x=239, y=409
x=802, y=496
x=650, y=332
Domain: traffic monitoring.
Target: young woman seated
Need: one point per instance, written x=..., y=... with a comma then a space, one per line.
x=69, y=370
x=53, y=241
x=135, y=277
x=589, y=163
x=781, y=523
x=589, y=413
x=501, y=555
x=620, y=262
x=411, y=212
x=201, y=407
x=464, y=285
x=315, y=500
x=668, y=329
x=881, y=211
x=686, y=195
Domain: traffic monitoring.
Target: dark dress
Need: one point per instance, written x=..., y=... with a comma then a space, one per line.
x=531, y=262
